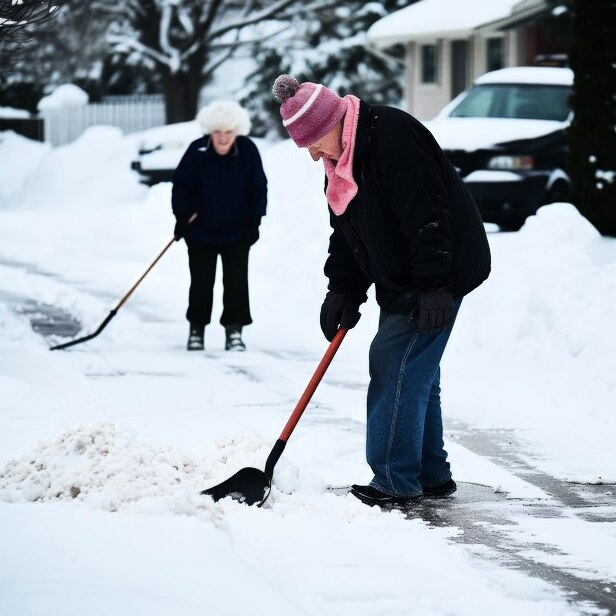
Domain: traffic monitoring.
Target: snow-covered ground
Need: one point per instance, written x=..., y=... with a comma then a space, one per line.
x=104, y=447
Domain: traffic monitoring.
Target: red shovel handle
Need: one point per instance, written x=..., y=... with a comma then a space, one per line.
x=312, y=385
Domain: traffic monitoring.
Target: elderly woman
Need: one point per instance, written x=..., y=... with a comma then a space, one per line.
x=221, y=179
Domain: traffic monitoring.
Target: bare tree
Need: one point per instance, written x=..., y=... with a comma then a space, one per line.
x=185, y=41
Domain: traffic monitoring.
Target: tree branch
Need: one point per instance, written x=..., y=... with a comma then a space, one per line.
x=255, y=18
x=172, y=54
x=131, y=43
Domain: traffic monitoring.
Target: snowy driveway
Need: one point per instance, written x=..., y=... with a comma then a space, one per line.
x=555, y=537
x=104, y=447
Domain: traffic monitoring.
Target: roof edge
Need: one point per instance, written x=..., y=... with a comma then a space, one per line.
x=515, y=18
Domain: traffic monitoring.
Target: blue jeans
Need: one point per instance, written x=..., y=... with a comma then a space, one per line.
x=404, y=445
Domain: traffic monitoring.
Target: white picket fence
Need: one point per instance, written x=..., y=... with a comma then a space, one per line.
x=130, y=113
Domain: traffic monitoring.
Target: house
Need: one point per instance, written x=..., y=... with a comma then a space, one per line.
x=449, y=43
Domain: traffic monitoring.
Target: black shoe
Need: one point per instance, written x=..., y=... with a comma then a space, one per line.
x=195, y=337
x=446, y=489
x=371, y=496
x=234, y=338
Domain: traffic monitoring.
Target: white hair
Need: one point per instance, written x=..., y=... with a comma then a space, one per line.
x=224, y=115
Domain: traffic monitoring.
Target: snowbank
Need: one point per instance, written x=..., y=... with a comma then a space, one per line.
x=93, y=169
x=13, y=176
x=534, y=348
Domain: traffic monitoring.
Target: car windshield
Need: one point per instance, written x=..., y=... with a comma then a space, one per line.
x=518, y=101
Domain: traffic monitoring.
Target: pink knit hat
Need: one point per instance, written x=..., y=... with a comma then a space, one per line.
x=309, y=110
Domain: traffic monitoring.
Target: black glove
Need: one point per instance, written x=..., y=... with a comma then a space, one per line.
x=252, y=230
x=338, y=310
x=435, y=310
x=182, y=227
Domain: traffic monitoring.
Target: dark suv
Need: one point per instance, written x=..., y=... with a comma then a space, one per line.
x=506, y=137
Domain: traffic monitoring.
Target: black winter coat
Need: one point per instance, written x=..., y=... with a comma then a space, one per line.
x=412, y=226
x=229, y=193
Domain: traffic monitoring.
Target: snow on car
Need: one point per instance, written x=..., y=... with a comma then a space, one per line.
x=506, y=137
x=161, y=149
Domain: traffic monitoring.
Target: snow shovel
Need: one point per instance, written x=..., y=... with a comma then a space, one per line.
x=252, y=486
x=112, y=314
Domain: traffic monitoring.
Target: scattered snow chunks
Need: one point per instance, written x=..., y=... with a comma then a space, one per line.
x=240, y=452
x=107, y=469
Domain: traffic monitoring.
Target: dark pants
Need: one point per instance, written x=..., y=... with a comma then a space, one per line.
x=202, y=262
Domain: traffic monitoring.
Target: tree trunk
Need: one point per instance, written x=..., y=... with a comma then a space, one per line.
x=592, y=140
x=181, y=92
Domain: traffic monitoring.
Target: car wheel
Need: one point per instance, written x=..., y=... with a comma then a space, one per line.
x=512, y=225
x=558, y=193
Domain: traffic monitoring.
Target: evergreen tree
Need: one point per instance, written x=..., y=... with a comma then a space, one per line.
x=592, y=136
x=333, y=50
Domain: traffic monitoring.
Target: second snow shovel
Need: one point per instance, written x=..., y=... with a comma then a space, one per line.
x=251, y=485
x=113, y=312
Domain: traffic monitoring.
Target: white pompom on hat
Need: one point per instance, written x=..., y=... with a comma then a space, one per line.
x=224, y=115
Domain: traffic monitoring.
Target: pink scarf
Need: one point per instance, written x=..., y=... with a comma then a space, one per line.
x=341, y=187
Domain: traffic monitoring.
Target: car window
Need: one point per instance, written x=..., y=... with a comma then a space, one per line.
x=518, y=101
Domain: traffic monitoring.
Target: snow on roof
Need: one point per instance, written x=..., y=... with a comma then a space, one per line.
x=529, y=74
x=429, y=19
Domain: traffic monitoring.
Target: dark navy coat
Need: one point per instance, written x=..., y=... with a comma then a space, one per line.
x=229, y=193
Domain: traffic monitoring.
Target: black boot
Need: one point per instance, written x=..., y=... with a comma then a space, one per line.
x=195, y=337
x=234, y=338
x=445, y=489
x=371, y=496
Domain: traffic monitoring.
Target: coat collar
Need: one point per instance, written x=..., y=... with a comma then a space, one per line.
x=208, y=148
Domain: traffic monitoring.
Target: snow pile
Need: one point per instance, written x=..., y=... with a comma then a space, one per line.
x=555, y=295
x=66, y=95
x=107, y=469
x=571, y=300
x=534, y=348
x=93, y=169
x=30, y=154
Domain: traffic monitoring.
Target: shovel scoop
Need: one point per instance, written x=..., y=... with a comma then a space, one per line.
x=249, y=486
x=252, y=486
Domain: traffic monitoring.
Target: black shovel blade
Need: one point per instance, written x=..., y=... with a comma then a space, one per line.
x=249, y=486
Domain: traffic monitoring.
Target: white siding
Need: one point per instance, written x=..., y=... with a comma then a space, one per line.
x=424, y=101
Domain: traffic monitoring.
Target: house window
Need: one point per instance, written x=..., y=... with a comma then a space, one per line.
x=428, y=64
x=495, y=53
